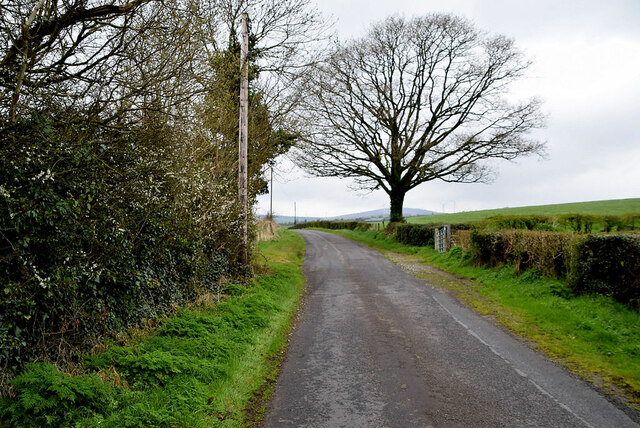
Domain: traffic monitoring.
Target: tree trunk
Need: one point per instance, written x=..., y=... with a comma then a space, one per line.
x=397, y=201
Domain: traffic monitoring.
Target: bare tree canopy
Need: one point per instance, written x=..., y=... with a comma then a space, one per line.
x=64, y=49
x=122, y=55
x=413, y=101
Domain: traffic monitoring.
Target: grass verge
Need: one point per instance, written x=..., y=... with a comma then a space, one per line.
x=593, y=336
x=208, y=365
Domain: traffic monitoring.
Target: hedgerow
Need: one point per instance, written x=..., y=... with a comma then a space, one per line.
x=596, y=263
x=118, y=168
x=575, y=222
x=99, y=230
x=609, y=265
x=326, y=224
x=528, y=222
x=592, y=263
x=197, y=367
x=548, y=252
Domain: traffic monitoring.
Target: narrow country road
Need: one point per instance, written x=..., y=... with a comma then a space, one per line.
x=376, y=347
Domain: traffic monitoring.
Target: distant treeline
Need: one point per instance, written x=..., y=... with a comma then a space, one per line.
x=327, y=224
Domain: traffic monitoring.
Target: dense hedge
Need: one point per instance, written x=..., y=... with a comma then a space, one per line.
x=548, y=252
x=94, y=236
x=336, y=225
x=602, y=264
x=419, y=235
x=609, y=265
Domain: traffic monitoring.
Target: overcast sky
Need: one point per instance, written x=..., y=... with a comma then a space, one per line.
x=586, y=70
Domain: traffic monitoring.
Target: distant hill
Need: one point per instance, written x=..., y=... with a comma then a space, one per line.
x=374, y=215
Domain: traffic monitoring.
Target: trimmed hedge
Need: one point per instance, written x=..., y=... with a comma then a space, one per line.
x=609, y=265
x=419, y=235
x=603, y=264
x=548, y=252
x=593, y=264
x=325, y=224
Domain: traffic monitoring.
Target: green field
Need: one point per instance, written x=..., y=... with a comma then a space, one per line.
x=610, y=207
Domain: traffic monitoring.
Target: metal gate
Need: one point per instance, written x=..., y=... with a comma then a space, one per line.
x=443, y=238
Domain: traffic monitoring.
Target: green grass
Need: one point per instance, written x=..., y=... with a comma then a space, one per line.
x=610, y=207
x=209, y=365
x=593, y=336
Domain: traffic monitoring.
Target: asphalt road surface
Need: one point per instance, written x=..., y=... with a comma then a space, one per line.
x=376, y=347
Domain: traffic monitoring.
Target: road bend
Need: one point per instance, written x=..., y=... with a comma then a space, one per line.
x=376, y=347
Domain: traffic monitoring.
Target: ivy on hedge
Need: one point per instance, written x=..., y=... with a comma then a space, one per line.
x=92, y=238
x=609, y=265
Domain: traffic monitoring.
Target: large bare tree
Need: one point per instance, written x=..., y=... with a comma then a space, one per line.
x=416, y=100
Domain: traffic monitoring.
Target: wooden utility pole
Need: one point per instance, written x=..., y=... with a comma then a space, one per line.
x=243, y=132
x=271, y=220
x=271, y=197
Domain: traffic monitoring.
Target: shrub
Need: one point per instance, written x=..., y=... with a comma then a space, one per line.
x=462, y=239
x=528, y=222
x=609, y=265
x=419, y=235
x=611, y=223
x=391, y=227
x=487, y=248
x=578, y=222
x=630, y=221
